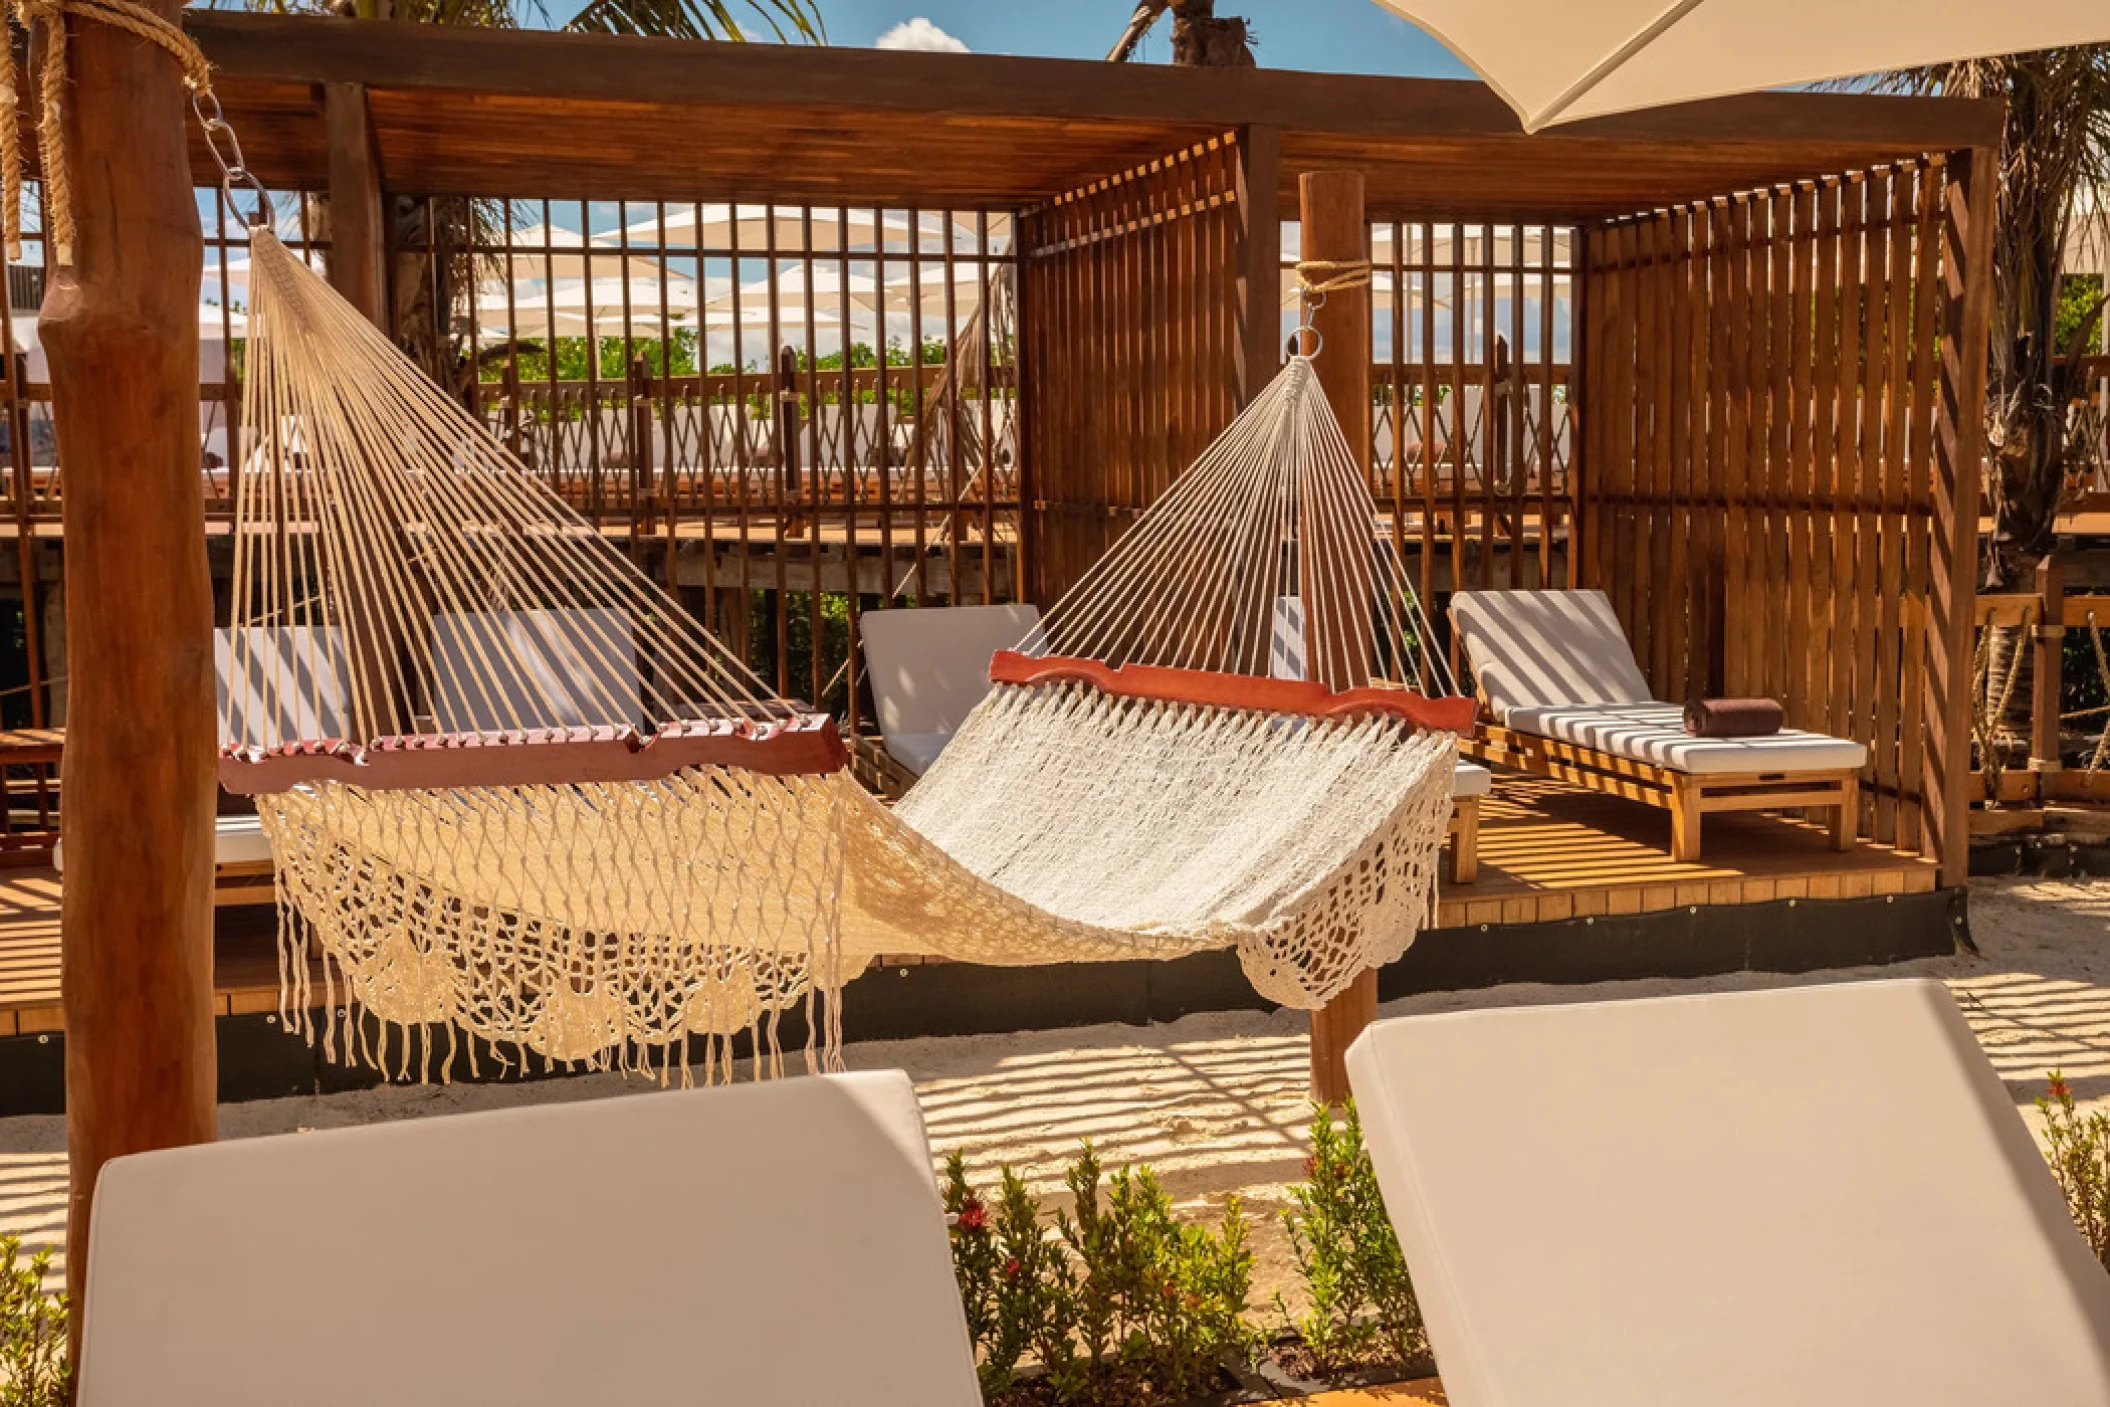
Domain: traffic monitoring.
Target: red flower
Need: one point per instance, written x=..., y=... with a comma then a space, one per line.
x=1311, y=1168
x=1011, y=1268
x=2058, y=1088
x=974, y=1218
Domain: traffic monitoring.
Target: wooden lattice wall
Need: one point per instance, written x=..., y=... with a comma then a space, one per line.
x=1769, y=460
x=1132, y=297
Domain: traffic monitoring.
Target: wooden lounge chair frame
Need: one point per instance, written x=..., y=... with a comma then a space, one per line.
x=1688, y=796
x=1567, y=649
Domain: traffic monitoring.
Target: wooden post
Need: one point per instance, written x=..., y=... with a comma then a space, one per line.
x=1259, y=259
x=2047, y=668
x=1334, y=229
x=358, y=236
x=1959, y=444
x=121, y=329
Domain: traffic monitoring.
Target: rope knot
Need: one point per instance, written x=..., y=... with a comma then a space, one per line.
x=128, y=15
x=1320, y=276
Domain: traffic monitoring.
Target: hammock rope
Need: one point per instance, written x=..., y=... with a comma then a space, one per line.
x=470, y=859
x=519, y=802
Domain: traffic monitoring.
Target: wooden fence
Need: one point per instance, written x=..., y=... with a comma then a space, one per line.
x=1764, y=489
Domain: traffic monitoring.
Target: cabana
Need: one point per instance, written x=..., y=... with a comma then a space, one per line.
x=1723, y=364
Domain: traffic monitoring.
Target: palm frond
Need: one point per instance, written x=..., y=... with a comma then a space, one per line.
x=1139, y=24
x=788, y=20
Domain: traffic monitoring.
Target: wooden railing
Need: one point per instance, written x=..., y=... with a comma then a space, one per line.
x=2020, y=673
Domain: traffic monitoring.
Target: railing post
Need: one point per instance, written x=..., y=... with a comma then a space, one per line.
x=638, y=397
x=2047, y=674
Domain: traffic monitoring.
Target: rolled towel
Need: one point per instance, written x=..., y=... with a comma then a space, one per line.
x=1732, y=718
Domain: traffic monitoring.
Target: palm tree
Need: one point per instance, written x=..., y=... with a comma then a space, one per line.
x=2055, y=155
x=1199, y=38
x=424, y=298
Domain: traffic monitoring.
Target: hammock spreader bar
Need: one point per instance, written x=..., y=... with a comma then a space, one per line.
x=1243, y=691
x=805, y=746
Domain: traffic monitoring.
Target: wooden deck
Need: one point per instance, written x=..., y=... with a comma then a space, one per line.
x=1547, y=853
x=1550, y=852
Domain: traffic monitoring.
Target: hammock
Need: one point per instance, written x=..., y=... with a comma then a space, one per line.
x=570, y=822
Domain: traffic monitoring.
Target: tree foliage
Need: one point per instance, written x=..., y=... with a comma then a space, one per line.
x=2055, y=156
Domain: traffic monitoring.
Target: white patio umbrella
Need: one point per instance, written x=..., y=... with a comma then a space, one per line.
x=579, y=308
x=1557, y=61
x=831, y=229
x=554, y=252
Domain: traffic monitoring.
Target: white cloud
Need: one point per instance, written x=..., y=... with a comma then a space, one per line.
x=920, y=33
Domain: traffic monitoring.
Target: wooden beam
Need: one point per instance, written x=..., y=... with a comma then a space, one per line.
x=616, y=68
x=1959, y=442
x=1260, y=259
x=1334, y=230
x=358, y=236
x=120, y=327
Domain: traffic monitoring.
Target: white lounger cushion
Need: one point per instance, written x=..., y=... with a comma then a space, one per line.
x=1820, y=1196
x=1546, y=649
x=772, y=1245
x=236, y=840
x=929, y=667
x=1557, y=664
x=1655, y=733
x=1471, y=779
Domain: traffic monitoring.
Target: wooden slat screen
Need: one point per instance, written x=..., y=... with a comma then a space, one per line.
x=1132, y=344
x=1473, y=423
x=791, y=413
x=1760, y=418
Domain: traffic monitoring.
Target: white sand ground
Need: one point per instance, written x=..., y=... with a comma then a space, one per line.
x=1216, y=1102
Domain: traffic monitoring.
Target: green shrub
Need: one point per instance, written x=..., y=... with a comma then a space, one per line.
x=1124, y=1302
x=34, y=1368
x=2080, y=1160
x=1362, y=1299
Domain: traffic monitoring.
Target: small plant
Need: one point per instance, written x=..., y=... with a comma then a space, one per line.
x=34, y=1368
x=1362, y=1299
x=1124, y=1302
x=2080, y=1161
x=1163, y=1299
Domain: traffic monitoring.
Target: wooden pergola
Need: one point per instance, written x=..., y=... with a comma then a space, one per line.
x=1745, y=271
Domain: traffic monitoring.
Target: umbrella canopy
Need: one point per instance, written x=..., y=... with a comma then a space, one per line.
x=1557, y=61
x=605, y=307
x=554, y=252
x=756, y=229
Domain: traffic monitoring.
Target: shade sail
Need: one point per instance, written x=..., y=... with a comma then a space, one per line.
x=1557, y=61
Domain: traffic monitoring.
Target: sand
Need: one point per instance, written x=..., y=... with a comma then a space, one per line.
x=1217, y=1102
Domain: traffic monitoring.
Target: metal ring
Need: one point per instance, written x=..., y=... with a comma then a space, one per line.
x=242, y=176
x=1301, y=331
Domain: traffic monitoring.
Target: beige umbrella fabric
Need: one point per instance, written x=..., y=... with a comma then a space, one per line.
x=1558, y=61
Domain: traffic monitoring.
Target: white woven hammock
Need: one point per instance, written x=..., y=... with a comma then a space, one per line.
x=569, y=822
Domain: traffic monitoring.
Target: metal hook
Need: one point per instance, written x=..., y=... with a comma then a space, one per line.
x=1311, y=300
x=234, y=171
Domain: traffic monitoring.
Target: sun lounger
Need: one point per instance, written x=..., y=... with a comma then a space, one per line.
x=773, y=1245
x=929, y=667
x=1821, y=1196
x=1562, y=697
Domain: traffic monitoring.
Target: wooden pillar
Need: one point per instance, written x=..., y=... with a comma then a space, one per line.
x=2047, y=667
x=121, y=329
x=1334, y=229
x=1259, y=259
x=358, y=234
x=1959, y=444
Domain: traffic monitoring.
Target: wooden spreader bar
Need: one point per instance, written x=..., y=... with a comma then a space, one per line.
x=1247, y=691
x=805, y=745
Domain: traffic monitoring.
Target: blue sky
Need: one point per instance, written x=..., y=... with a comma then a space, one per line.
x=1335, y=36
